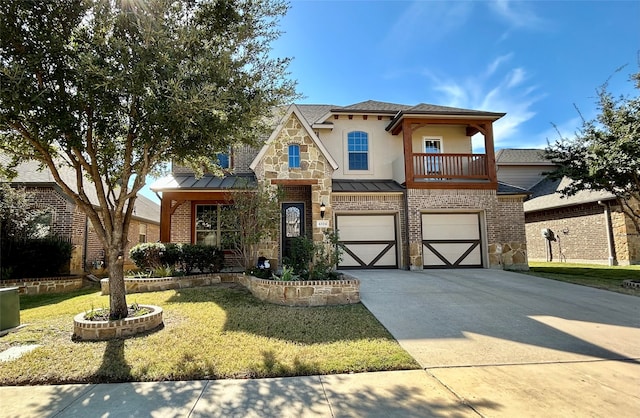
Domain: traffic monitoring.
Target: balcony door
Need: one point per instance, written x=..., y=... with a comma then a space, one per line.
x=432, y=163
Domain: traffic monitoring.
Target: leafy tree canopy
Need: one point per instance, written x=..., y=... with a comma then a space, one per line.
x=112, y=89
x=605, y=153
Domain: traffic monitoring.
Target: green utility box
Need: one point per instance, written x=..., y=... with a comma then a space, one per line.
x=9, y=308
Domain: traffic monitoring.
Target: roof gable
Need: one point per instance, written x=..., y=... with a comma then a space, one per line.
x=293, y=110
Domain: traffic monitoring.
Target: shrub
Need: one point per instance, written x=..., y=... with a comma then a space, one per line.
x=159, y=257
x=40, y=257
x=300, y=256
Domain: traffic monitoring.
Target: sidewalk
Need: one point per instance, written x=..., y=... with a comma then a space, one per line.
x=411, y=393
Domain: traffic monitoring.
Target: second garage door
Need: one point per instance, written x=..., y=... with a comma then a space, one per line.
x=451, y=240
x=368, y=241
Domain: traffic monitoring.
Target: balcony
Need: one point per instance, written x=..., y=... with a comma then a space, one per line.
x=449, y=168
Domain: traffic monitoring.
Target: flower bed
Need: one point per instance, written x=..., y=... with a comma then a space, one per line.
x=85, y=329
x=290, y=293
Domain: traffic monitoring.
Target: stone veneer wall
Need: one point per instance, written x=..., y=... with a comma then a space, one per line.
x=501, y=253
x=314, y=170
x=303, y=293
x=45, y=285
x=380, y=203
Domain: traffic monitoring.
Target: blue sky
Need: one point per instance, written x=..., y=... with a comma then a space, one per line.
x=530, y=59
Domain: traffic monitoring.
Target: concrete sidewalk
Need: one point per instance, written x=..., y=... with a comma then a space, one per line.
x=385, y=394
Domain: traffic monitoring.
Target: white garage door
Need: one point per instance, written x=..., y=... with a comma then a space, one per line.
x=368, y=241
x=451, y=240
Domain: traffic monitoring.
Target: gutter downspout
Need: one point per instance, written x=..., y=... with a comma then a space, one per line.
x=607, y=219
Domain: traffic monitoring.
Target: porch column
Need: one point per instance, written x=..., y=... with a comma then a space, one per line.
x=489, y=150
x=407, y=141
x=165, y=219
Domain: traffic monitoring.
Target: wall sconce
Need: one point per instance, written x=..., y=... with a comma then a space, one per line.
x=323, y=208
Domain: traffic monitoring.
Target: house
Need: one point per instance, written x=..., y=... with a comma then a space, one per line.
x=588, y=227
x=65, y=219
x=400, y=184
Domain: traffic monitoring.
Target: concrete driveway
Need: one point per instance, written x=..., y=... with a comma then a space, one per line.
x=509, y=344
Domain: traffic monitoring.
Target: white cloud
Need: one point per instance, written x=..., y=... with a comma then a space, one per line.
x=517, y=14
x=498, y=89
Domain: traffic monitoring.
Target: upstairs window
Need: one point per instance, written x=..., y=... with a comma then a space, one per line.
x=294, y=156
x=224, y=161
x=358, y=149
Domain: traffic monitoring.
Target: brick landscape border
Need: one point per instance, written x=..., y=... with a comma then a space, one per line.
x=43, y=285
x=86, y=330
x=293, y=293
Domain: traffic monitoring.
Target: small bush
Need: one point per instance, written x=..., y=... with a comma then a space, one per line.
x=162, y=258
x=43, y=257
x=260, y=273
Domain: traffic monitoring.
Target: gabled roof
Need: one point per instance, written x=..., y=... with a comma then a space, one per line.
x=30, y=175
x=294, y=110
x=206, y=182
x=545, y=195
x=512, y=156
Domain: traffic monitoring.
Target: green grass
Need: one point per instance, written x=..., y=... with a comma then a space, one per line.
x=601, y=277
x=209, y=333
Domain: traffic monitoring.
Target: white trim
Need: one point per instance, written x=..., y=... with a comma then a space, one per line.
x=293, y=109
x=432, y=138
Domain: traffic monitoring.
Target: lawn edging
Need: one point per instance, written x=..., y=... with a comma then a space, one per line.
x=41, y=285
x=87, y=330
x=288, y=293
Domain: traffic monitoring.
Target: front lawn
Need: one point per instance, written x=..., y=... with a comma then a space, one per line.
x=210, y=333
x=602, y=277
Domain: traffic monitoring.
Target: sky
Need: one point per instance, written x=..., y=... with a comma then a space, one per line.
x=536, y=61
x=530, y=59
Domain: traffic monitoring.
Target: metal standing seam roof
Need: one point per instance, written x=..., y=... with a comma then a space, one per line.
x=366, y=186
x=206, y=182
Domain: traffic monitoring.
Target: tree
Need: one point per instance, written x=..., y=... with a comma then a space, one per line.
x=115, y=88
x=255, y=214
x=605, y=153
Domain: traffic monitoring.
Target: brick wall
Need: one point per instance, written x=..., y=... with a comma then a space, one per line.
x=380, y=202
x=581, y=232
x=181, y=223
x=484, y=201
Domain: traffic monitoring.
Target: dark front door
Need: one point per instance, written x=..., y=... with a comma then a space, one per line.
x=292, y=225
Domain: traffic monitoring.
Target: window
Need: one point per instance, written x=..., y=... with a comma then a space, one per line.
x=216, y=225
x=142, y=233
x=224, y=161
x=432, y=163
x=294, y=156
x=42, y=225
x=358, y=149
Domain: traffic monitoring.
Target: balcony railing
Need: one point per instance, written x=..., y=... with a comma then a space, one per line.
x=454, y=167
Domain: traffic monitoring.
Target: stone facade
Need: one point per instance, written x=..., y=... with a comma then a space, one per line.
x=45, y=285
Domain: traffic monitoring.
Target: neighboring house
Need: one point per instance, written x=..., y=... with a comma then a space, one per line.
x=65, y=219
x=399, y=183
x=589, y=227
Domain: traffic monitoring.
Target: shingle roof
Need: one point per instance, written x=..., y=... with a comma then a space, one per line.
x=545, y=195
x=506, y=189
x=366, y=186
x=29, y=174
x=206, y=182
x=425, y=108
x=522, y=157
x=313, y=112
x=372, y=106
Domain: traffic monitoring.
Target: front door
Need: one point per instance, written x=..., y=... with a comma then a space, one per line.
x=292, y=225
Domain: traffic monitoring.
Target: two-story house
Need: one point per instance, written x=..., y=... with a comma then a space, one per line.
x=399, y=183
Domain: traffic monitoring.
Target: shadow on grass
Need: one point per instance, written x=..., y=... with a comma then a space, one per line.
x=36, y=301
x=114, y=366
x=304, y=325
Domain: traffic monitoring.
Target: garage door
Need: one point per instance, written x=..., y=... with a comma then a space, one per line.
x=368, y=241
x=451, y=240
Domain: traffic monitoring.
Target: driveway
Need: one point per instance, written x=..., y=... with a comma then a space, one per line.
x=509, y=344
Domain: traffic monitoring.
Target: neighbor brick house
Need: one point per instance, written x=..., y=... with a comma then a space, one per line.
x=65, y=219
x=589, y=227
x=400, y=184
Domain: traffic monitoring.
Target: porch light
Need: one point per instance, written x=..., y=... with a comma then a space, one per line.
x=323, y=208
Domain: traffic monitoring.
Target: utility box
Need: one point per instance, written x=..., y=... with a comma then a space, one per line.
x=9, y=308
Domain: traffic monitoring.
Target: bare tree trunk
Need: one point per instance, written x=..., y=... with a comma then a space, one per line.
x=117, y=293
